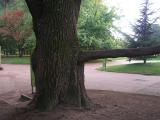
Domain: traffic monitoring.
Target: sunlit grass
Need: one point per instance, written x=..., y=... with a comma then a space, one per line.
x=138, y=68
x=15, y=60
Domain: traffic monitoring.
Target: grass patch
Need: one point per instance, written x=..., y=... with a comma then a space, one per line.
x=138, y=68
x=108, y=59
x=119, y=58
x=156, y=58
x=15, y=60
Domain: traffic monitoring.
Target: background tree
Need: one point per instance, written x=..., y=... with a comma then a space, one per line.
x=94, y=26
x=8, y=45
x=16, y=23
x=143, y=30
x=12, y=26
x=29, y=41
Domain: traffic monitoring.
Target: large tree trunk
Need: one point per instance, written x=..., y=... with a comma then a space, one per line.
x=59, y=76
x=57, y=62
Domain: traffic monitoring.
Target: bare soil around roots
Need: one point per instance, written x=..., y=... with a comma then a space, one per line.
x=108, y=105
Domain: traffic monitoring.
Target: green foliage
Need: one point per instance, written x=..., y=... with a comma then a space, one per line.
x=29, y=40
x=149, y=68
x=95, y=24
x=8, y=45
x=30, y=43
x=142, y=29
x=146, y=33
x=24, y=27
x=15, y=60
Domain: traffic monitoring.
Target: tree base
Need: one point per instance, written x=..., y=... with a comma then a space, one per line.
x=33, y=106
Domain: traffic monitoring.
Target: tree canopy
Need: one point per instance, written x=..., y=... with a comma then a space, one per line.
x=95, y=24
x=16, y=25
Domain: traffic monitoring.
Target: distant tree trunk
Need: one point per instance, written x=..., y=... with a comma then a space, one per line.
x=7, y=52
x=57, y=61
x=20, y=51
x=145, y=61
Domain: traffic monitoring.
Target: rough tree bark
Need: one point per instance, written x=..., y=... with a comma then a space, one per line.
x=57, y=61
x=59, y=77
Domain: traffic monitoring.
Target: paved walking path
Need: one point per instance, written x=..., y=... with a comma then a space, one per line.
x=15, y=80
x=123, y=82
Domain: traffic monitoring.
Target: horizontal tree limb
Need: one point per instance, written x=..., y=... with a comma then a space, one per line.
x=133, y=52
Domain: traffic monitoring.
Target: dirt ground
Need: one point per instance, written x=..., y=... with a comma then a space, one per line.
x=109, y=106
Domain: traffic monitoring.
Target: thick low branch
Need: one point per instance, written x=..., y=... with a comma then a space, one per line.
x=134, y=52
x=35, y=7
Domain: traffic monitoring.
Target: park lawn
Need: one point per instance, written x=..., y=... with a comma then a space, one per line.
x=138, y=68
x=156, y=58
x=15, y=60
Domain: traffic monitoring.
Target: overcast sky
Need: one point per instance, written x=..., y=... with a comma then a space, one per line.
x=129, y=9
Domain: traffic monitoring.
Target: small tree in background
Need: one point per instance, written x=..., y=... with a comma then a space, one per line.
x=12, y=25
x=143, y=30
x=16, y=23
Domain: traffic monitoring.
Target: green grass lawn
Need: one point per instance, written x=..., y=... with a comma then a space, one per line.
x=15, y=60
x=156, y=58
x=138, y=68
